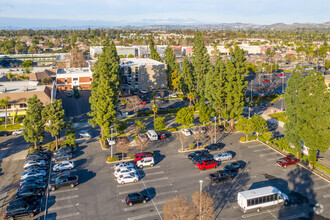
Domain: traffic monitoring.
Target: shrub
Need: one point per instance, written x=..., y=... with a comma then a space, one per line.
x=149, y=152
x=267, y=136
x=243, y=139
x=320, y=166
x=191, y=146
x=112, y=159
x=131, y=156
x=252, y=137
x=145, y=113
x=31, y=150
x=283, y=144
x=172, y=129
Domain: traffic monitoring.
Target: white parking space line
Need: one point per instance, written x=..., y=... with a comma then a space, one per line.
x=63, y=191
x=142, y=188
x=140, y=182
x=143, y=206
x=261, y=150
x=62, y=207
x=326, y=196
x=164, y=193
x=252, y=146
x=156, y=173
x=144, y=216
x=272, y=159
x=272, y=153
x=321, y=187
x=228, y=161
x=293, y=216
x=150, y=168
x=67, y=215
x=65, y=198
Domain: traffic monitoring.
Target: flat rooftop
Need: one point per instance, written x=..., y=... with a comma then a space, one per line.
x=139, y=62
x=19, y=86
x=74, y=70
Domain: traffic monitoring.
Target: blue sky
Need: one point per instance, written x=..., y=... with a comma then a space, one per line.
x=171, y=11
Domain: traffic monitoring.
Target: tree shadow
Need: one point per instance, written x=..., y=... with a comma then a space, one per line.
x=85, y=175
x=80, y=162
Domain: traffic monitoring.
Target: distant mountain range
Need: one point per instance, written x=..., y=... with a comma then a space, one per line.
x=7, y=23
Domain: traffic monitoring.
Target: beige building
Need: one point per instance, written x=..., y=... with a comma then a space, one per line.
x=143, y=74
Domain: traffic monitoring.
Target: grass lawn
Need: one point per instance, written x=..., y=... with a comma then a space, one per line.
x=279, y=116
x=10, y=127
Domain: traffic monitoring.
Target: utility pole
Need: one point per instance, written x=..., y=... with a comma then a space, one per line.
x=215, y=130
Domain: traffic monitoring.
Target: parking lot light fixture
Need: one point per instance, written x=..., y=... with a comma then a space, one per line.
x=200, y=198
x=215, y=129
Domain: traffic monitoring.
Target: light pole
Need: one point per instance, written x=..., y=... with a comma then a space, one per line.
x=282, y=91
x=111, y=130
x=200, y=199
x=251, y=99
x=215, y=129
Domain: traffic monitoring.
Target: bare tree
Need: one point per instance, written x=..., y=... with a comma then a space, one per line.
x=178, y=208
x=122, y=146
x=210, y=132
x=181, y=138
x=133, y=102
x=204, y=205
x=162, y=94
x=198, y=135
x=143, y=144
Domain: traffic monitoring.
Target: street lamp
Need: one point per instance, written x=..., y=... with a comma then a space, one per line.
x=111, y=130
x=282, y=92
x=215, y=129
x=251, y=99
x=200, y=198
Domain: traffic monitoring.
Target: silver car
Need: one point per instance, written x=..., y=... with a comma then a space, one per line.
x=223, y=156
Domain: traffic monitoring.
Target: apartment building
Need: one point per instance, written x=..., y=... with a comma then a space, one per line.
x=70, y=78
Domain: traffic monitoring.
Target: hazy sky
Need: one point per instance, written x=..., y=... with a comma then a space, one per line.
x=173, y=11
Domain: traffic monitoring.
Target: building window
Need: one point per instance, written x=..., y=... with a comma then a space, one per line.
x=136, y=79
x=136, y=70
x=75, y=79
x=22, y=105
x=66, y=80
x=91, y=79
x=9, y=106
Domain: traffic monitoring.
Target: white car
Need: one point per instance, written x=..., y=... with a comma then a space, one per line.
x=173, y=95
x=123, y=165
x=85, y=134
x=34, y=163
x=147, y=161
x=124, y=171
x=130, y=178
x=33, y=173
x=186, y=132
x=223, y=156
x=17, y=132
x=65, y=165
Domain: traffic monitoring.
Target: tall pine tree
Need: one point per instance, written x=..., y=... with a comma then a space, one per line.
x=201, y=64
x=153, y=52
x=104, y=90
x=187, y=77
x=172, y=67
x=33, y=123
x=236, y=84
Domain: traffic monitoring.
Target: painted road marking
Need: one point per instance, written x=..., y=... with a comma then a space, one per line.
x=252, y=146
x=65, y=190
x=321, y=187
x=62, y=207
x=65, y=198
x=272, y=159
x=66, y=216
x=140, y=182
x=293, y=216
x=164, y=193
x=261, y=150
x=144, y=216
x=156, y=173
x=326, y=196
x=144, y=206
x=262, y=155
x=150, y=168
x=142, y=188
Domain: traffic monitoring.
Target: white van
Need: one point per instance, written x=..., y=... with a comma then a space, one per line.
x=257, y=199
x=152, y=135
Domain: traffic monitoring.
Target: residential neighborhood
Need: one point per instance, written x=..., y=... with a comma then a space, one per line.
x=164, y=121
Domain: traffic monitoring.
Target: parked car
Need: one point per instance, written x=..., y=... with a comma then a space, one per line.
x=33, y=173
x=35, y=168
x=30, y=185
x=161, y=135
x=85, y=134
x=34, y=157
x=61, y=181
x=4, y=133
x=20, y=210
x=206, y=164
x=25, y=200
x=140, y=156
x=266, y=80
x=129, y=178
x=147, y=161
x=186, y=132
x=124, y=171
x=66, y=173
x=286, y=161
x=63, y=150
x=220, y=128
x=173, y=95
x=233, y=167
x=65, y=165
x=69, y=94
x=211, y=147
x=223, y=156
x=135, y=198
x=201, y=158
x=221, y=176
x=30, y=193
x=143, y=102
x=34, y=163
x=197, y=153
x=62, y=157
x=123, y=165
x=18, y=132
x=32, y=179
x=282, y=75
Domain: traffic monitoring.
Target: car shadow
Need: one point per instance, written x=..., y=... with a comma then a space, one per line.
x=85, y=175
x=141, y=173
x=80, y=162
x=232, y=153
x=150, y=192
x=158, y=157
x=78, y=152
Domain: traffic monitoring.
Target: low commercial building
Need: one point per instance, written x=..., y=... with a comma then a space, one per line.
x=19, y=92
x=142, y=74
x=70, y=78
x=40, y=60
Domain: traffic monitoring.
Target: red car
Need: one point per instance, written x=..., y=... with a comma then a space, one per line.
x=266, y=80
x=207, y=164
x=143, y=102
x=140, y=156
x=286, y=161
x=282, y=75
x=161, y=136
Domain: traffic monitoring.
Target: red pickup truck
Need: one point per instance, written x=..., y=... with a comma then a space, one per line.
x=286, y=161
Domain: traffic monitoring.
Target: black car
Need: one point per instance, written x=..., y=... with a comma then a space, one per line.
x=4, y=133
x=32, y=186
x=32, y=157
x=221, y=176
x=28, y=200
x=66, y=150
x=20, y=210
x=61, y=157
x=29, y=193
x=233, y=167
x=63, y=173
x=211, y=147
x=134, y=198
x=39, y=178
x=41, y=153
x=196, y=153
x=202, y=157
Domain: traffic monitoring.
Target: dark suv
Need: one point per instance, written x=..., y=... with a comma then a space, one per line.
x=202, y=157
x=134, y=198
x=19, y=210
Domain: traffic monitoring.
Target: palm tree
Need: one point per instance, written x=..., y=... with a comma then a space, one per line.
x=4, y=103
x=10, y=76
x=190, y=96
x=155, y=110
x=154, y=94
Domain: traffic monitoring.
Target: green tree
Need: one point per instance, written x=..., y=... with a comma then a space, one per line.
x=140, y=125
x=153, y=52
x=105, y=90
x=185, y=116
x=327, y=64
x=53, y=114
x=70, y=139
x=201, y=64
x=33, y=123
x=172, y=67
x=251, y=68
x=120, y=126
x=154, y=95
x=155, y=110
x=187, y=77
x=245, y=125
x=159, y=123
x=175, y=80
x=259, y=124
x=10, y=76
x=4, y=104
x=27, y=63
x=204, y=113
x=236, y=84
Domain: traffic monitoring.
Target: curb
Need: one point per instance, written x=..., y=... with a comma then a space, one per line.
x=195, y=149
x=247, y=141
x=118, y=161
x=101, y=145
